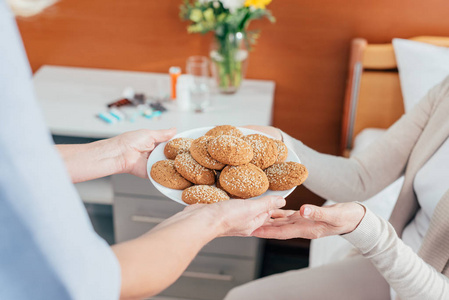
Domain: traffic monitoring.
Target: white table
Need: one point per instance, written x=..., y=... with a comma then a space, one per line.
x=72, y=97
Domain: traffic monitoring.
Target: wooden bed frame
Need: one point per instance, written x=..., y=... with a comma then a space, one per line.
x=373, y=94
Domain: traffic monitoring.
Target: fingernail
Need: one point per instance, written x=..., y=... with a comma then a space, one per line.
x=307, y=211
x=280, y=202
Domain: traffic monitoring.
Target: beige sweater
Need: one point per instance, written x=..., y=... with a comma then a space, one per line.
x=403, y=150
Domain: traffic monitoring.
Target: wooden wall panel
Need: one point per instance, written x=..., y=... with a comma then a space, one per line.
x=305, y=52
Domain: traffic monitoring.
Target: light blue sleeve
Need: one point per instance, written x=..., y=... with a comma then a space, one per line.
x=48, y=248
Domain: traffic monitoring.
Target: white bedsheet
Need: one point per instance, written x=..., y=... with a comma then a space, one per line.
x=334, y=248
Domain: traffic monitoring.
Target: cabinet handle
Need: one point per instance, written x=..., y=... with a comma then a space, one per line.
x=145, y=219
x=207, y=276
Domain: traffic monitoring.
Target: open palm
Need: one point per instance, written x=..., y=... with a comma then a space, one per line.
x=312, y=222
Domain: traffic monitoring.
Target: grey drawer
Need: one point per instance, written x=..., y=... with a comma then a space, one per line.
x=211, y=278
x=132, y=185
x=135, y=216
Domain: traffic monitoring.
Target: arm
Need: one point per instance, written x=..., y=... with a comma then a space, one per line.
x=410, y=276
x=125, y=153
x=404, y=270
x=155, y=260
x=365, y=174
x=49, y=249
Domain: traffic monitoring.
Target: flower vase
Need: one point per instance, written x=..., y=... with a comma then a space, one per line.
x=229, y=60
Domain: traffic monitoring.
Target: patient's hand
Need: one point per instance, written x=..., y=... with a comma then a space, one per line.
x=270, y=130
x=312, y=222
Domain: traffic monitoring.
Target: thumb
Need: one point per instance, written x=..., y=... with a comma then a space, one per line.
x=163, y=135
x=322, y=214
x=264, y=205
x=268, y=203
x=260, y=220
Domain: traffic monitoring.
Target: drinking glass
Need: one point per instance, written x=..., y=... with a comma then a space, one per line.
x=198, y=68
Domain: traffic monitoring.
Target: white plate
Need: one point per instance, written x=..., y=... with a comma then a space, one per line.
x=158, y=154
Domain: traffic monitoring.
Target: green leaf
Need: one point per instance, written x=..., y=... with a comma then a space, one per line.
x=184, y=10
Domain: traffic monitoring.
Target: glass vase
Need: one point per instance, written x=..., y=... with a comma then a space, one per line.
x=229, y=60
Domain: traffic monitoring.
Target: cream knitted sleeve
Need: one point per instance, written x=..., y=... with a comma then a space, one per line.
x=367, y=173
x=404, y=270
x=356, y=178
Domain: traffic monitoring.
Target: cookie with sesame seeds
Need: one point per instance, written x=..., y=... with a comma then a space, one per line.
x=230, y=150
x=164, y=173
x=221, y=188
x=204, y=194
x=244, y=181
x=177, y=146
x=285, y=176
x=282, y=151
x=198, y=150
x=264, y=149
x=191, y=170
x=225, y=130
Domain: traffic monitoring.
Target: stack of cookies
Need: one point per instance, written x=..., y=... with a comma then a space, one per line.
x=239, y=166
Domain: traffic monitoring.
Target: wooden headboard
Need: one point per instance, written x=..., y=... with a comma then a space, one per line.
x=373, y=94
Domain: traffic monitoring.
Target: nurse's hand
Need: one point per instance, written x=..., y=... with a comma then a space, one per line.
x=125, y=153
x=135, y=146
x=243, y=217
x=230, y=218
x=312, y=222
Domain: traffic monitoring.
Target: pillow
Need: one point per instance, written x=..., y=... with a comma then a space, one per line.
x=421, y=66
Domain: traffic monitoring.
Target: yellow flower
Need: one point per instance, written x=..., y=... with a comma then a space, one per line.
x=209, y=15
x=196, y=15
x=257, y=3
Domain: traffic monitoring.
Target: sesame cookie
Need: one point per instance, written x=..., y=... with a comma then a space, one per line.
x=204, y=194
x=244, y=181
x=264, y=149
x=199, y=152
x=287, y=175
x=193, y=171
x=230, y=150
x=283, y=151
x=221, y=188
x=164, y=173
x=177, y=146
x=225, y=130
